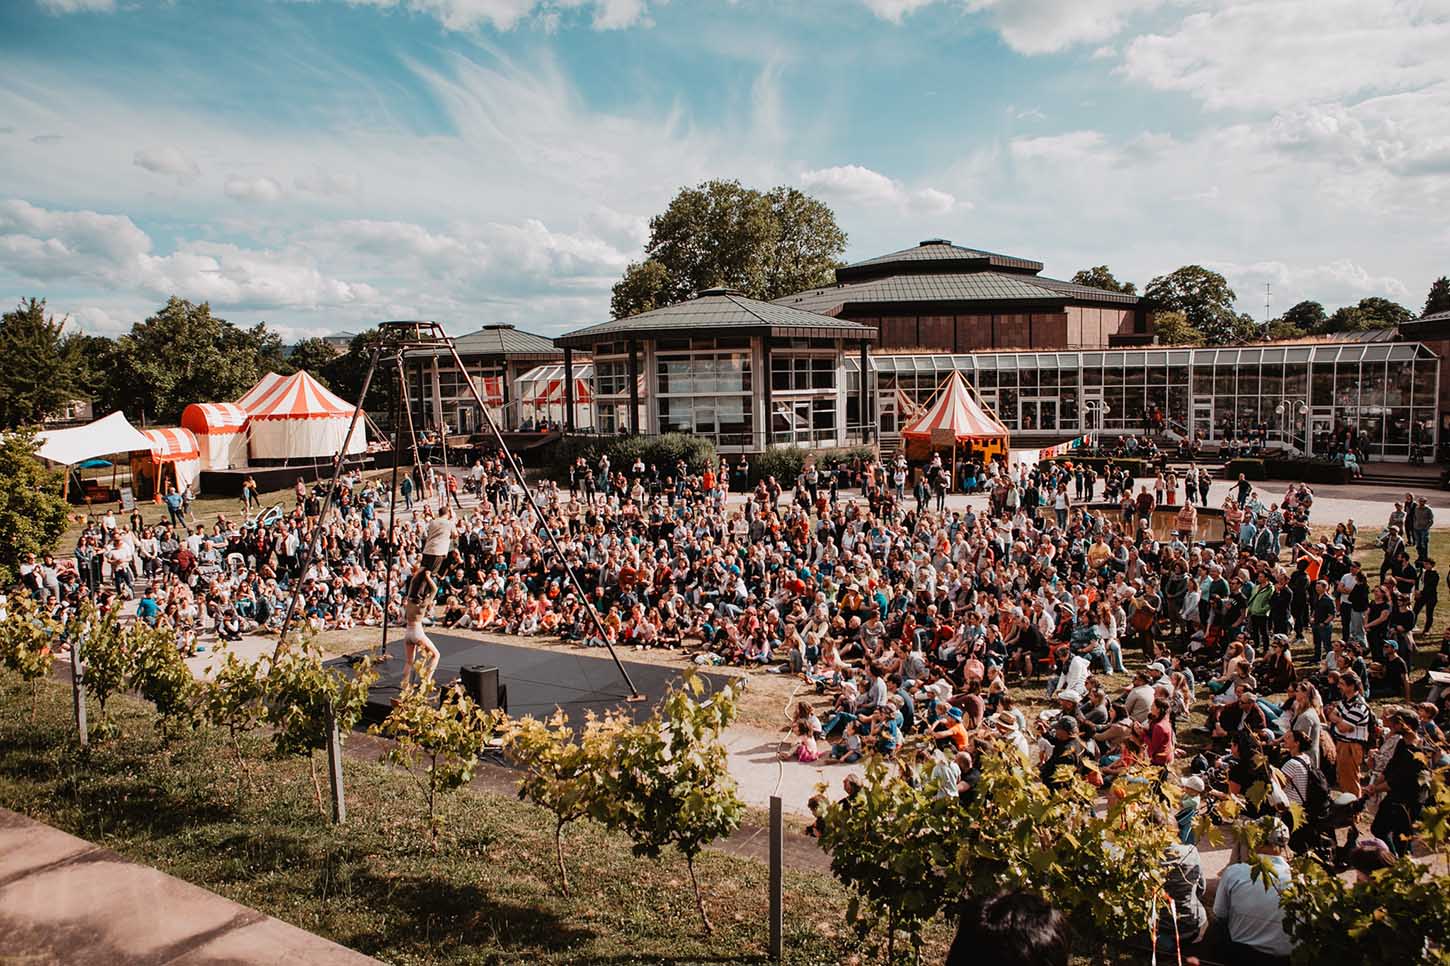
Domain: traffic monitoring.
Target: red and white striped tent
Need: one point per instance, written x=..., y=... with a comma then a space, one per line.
x=220, y=430
x=175, y=448
x=955, y=407
x=295, y=417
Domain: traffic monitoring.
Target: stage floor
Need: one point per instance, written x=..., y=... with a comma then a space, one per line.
x=538, y=680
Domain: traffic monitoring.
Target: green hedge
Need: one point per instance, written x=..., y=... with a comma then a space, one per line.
x=785, y=463
x=664, y=451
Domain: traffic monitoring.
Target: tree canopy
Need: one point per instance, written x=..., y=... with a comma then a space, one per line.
x=766, y=244
x=1206, y=301
x=42, y=370
x=314, y=355
x=1370, y=313
x=1100, y=276
x=1172, y=328
x=184, y=354
x=1438, y=300
x=32, y=511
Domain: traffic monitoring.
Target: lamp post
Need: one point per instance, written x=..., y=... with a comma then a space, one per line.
x=1101, y=409
x=1289, y=406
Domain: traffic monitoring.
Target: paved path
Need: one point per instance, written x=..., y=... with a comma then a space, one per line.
x=66, y=901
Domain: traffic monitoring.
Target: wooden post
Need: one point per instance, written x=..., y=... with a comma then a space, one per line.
x=334, y=769
x=78, y=688
x=568, y=390
x=777, y=906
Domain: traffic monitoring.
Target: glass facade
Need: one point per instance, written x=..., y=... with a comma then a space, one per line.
x=705, y=387
x=1295, y=393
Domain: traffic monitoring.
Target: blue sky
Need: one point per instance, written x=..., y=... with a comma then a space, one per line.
x=322, y=165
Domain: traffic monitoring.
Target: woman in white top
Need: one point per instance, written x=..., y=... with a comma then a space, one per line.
x=1307, y=709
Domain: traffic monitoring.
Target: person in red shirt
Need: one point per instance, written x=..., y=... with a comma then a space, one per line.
x=1160, y=734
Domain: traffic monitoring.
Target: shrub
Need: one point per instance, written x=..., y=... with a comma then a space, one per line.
x=161, y=675
x=232, y=700
x=662, y=451
x=108, y=665
x=26, y=638
x=669, y=783
x=449, y=735
x=562, y=773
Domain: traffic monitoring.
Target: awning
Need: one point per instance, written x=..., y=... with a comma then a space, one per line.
x=110, y=434
x=170, y=445
x=214, y=418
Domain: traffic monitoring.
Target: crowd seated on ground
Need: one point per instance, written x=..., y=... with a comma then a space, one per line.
x=906, y=622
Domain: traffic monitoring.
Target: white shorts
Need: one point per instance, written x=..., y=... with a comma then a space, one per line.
x=413, y=633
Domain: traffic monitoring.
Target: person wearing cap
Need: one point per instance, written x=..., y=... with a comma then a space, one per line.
x=1064, y=762
x=1247, y=908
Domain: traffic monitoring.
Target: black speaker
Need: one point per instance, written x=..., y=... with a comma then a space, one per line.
x=481, y=683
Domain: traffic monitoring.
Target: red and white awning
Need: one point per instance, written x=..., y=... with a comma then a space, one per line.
x=298, y=396
x=957, y=409
x=171, y=445
x=214, y=418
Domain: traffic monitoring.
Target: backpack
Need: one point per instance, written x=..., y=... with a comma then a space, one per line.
x=1316, y=792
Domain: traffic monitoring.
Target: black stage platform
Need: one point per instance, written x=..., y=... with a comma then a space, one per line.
x=538, y=680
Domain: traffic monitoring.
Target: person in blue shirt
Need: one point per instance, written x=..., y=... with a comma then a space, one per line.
x=147, y=608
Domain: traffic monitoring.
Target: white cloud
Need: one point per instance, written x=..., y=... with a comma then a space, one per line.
x=1034, y=26
x=1334, y=283
x=167, y=160
x=1067, y=147
x=322, y=182
x=259, y=189
x=1273, y=54
x=508, y=14
x=859, y=185
x=77, y=6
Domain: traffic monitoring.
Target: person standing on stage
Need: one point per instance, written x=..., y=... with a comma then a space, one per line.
x=438, y=540
x=417, y=603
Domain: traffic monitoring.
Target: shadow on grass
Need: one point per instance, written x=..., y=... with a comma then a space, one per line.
x=425, y=913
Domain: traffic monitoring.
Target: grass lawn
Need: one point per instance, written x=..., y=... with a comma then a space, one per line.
x=488, y=895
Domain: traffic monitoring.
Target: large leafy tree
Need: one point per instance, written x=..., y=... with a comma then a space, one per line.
x=1301, y=318
x=344, y=373
x=766, y=244
x=313, y=356
x=1172, y=328
x=32, y=511
x=1370, y=313
x=1100, y=276
x=184, y=354
x=1439, y=298
x=1206, y=300
x=42, y=365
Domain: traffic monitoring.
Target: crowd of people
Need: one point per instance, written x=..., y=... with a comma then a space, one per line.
x=1080, y=619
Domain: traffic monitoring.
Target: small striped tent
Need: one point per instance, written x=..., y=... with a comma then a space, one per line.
x=956, y=408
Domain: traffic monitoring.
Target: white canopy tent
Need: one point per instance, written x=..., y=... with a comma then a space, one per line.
x=110, y=434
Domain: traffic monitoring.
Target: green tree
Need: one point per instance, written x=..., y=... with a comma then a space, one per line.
x=669, y=781
x=108, y=665
x=447, y=735
x=1307, y=316
x=721, y=233
x=297, y=695
x=1100, y=276
x=1398, y=915
x=184, y=354
x=1373, y=312
x=32, y=511
x=563, y=773
x=313, y=356
x=161, y=676
x=1438, y=300
x=27, y=636
x=42, y=365
x=96, y=362
x=232, y=701
x=1172, y=328
x=1205, y=299
x=344, y=374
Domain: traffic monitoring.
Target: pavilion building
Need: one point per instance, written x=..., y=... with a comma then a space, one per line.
x=940, y=297
x=495, y=357
x=748, y=374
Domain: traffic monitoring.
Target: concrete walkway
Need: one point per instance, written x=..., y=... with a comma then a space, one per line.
x=66, y=901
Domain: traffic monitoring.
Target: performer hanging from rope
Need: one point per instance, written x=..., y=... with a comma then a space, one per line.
x=418, y=601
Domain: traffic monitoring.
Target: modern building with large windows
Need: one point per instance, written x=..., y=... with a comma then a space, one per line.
x=745, y=373
x=495, y=357
x=1296, y=392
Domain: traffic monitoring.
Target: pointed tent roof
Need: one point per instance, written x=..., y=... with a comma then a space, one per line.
x=298, y=396
x=955, y=407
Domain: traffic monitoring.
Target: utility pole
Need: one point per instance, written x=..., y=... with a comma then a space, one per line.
x=1268, y=292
